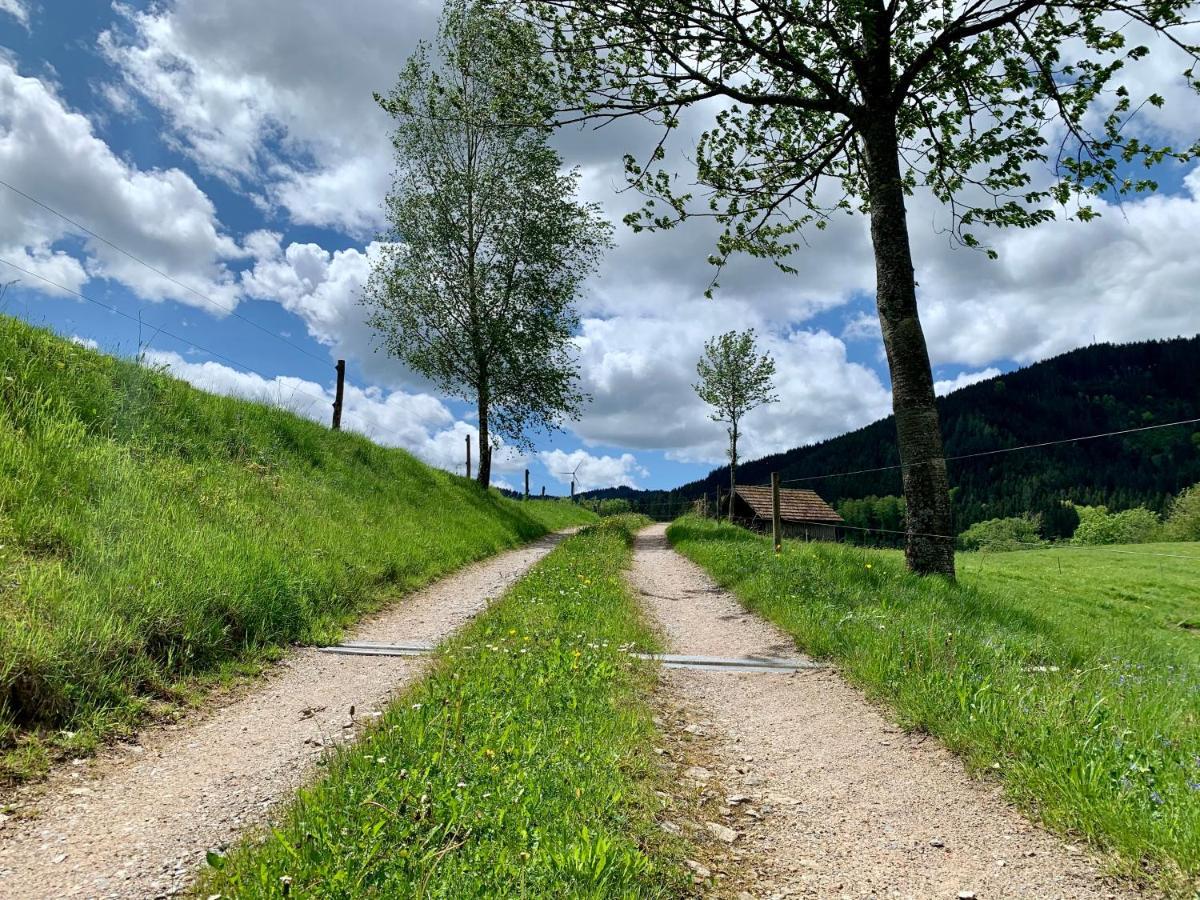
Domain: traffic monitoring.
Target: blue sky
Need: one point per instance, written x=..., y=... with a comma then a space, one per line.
x=235, y=147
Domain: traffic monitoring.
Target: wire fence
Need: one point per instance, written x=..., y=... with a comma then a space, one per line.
x=996, y=452
x=1008, y=544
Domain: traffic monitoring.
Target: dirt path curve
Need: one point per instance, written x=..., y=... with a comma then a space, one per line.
x=852, y=806
x=138, y=823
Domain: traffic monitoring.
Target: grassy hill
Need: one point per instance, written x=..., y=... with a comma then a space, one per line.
x=151, y=533
x=1100, y=388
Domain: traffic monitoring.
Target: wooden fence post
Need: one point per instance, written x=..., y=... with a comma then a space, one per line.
x=337, y=397
x=543, y=491
x=526, y=484
x=718, y=512
x=468, y=456
x=776, y=522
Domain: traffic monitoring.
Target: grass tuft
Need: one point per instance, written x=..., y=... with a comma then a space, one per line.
x=151, y=533
x=1064, y=673
x=520, y=767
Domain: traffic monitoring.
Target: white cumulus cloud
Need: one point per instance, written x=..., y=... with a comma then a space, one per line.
x=324, y=288
x=946, y=386
x=1130, y=275
x=52, y=153
x=640, y=372
x=278, y=93
x=18, y=9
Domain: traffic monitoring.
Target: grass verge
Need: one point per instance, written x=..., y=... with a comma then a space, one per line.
x=520, y=767
x=1065, y=674
x=151, y=534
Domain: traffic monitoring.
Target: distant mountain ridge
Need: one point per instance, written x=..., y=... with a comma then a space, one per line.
x=1100, y=388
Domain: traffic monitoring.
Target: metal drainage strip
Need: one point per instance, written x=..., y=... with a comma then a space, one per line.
x=729, y=663
x=668, y=660
x=372, y=648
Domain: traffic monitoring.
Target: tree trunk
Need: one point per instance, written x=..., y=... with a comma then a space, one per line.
x=929, y=549
x=485, y=445
x=733, y=436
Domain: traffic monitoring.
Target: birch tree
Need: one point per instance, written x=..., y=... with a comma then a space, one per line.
x=734, y=380
x=488, y=246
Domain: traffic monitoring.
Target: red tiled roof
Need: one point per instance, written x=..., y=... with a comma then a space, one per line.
x=794, y=505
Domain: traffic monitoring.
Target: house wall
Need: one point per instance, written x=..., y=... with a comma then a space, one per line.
x=810, y=532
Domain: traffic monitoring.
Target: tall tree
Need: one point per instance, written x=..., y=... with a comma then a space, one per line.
x=734, y=379
x=488, y=245
x=1005, y=110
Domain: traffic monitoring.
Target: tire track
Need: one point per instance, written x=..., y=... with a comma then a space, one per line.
x=852, y=806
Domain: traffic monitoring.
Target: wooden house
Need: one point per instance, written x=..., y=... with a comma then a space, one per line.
x=804, y=515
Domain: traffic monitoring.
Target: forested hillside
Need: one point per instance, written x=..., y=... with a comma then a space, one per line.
x=1094, y=389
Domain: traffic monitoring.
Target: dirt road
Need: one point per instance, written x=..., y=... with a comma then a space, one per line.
x=852, y=806
x=137, y=823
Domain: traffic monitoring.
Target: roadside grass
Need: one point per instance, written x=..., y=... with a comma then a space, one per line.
x=521, y=766
x=1070, y=675
x=152, y=535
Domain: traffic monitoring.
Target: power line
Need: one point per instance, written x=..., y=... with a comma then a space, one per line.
x=225, y=309
x=841, y=474
x=1071, y=440
x=1115, y=550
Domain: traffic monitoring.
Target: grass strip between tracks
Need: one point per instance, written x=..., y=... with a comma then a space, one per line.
x=522, y=765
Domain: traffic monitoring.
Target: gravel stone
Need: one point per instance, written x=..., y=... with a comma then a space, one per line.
x=699, y=868
x=721, y=832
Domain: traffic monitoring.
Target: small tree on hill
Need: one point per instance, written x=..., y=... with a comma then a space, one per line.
x=1129, y=526
x=1183, y=517
x=1000, y=535
x=1005, y=110
x=734, y=379
x=488, y=246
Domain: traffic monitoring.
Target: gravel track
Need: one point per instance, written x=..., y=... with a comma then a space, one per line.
x=137, y=821
x=853, y=807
